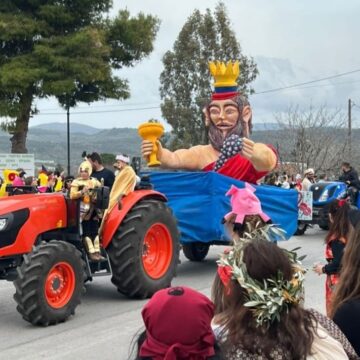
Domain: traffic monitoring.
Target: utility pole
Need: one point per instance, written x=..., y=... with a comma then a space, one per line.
x=349, y=130
x=68, y=135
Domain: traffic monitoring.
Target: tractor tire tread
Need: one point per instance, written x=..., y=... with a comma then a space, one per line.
x=125, y=250
x=29, y=284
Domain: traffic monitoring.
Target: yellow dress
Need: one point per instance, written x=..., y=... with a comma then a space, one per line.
x=59, y=185
x=43, y=179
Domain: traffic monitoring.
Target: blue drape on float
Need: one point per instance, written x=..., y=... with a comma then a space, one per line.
x=199, y=203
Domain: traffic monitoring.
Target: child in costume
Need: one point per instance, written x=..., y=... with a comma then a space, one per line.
x=20, y=178
x=9, y=176
x=230, y=152
x=246, y=212
x=67, y=185
x=58, y=181
x=43, y=177
x=335, y=241
x=81, y=188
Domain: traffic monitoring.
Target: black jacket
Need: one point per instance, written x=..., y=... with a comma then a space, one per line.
x=351, y=176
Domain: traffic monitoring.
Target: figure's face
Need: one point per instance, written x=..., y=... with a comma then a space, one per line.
x=224, y=114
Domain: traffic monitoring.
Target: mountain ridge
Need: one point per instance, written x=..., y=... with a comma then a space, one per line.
x=48, y=144
x=91, y=130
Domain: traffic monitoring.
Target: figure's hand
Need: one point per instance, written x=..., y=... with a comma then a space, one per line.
x=147, y=147
x=248, y=148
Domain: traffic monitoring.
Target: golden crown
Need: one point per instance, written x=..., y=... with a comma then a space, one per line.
x=225, y=75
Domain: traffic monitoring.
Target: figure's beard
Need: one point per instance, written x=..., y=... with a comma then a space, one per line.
x=217, y=136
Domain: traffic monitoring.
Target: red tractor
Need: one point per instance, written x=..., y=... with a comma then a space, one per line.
x=41, y=250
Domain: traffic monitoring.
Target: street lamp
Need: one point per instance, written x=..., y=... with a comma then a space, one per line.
x=71, y=99
x=68, y=135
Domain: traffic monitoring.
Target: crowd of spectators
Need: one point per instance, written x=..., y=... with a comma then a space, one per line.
x=256, y=309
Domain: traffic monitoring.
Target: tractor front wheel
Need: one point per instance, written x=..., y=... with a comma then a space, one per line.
x=50, y=283
x=144, y=252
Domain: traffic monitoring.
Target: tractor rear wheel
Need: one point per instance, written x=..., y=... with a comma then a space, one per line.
x=144, y=252
x=50, y=283
x=195, y=251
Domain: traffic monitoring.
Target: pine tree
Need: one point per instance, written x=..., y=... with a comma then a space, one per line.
x=185, y=81
x=67, y=49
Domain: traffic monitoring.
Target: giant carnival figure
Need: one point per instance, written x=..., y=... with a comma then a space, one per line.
x=228, y=117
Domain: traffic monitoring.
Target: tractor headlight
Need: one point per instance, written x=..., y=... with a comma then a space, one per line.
x=324, y=196
x=3, y=223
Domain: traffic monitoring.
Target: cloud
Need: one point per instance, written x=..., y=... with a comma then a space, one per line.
x=292, y=42
x=277, y=73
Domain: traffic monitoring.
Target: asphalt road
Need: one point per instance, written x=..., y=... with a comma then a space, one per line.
x=106, y=322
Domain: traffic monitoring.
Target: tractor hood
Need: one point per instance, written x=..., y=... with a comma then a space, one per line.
x=28, y=216
x=327, y=191
x=16, y=202
x=12, y=203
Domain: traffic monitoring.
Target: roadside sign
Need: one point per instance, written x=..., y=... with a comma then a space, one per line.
x=15, y=161
x=305, y=205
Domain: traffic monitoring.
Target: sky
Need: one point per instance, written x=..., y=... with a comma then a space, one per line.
x=291, y=41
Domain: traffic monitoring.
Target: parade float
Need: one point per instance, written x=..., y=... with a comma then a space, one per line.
x=195, y=180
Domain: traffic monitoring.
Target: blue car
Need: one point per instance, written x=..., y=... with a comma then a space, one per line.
x=323, y=194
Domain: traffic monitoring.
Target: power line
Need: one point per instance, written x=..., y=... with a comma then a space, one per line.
x=100, y=112
x=298, y=85
x=155, y=103
x=322, y=85
x=109, y=105
x=307, y=82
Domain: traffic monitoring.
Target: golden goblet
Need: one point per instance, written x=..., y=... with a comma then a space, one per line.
x=152, y=132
